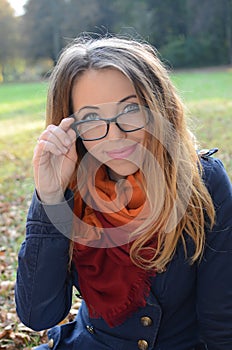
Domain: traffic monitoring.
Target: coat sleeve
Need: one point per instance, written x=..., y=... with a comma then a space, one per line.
x=43, y=291
x=214, y=290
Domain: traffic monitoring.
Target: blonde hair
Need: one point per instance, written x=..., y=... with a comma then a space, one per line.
x=186, y=201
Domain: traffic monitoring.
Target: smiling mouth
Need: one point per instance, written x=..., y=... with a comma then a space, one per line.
x=122, y=153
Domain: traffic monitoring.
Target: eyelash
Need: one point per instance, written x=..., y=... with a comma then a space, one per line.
x=88, y=116
x=94, y=116
x=132, y=106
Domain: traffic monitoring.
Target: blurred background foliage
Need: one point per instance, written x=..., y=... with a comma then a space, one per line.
x=187, y=33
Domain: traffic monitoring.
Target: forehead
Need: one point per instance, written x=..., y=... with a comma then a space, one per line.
x=96, y=87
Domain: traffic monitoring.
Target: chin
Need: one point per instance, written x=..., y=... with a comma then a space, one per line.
x=122, y=170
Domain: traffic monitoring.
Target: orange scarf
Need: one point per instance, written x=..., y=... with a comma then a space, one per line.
x=111, y=285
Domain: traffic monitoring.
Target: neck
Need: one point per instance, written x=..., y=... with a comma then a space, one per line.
x=113, y=175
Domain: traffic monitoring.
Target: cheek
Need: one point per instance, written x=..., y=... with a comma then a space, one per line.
x=90, y=145
x=94, y=147
x=137, y=136
x=97, y=148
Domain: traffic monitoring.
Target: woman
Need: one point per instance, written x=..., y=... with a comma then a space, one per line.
x=126, y=211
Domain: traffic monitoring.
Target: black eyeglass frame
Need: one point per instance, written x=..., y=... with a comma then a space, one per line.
x=108, y=122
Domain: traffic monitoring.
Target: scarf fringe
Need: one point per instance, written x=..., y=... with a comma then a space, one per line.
x=136, y=299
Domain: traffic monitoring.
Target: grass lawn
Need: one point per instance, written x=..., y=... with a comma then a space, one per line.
x=22, y=108
x=208, y=98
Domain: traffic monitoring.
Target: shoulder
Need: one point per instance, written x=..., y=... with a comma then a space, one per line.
x=219, y=238
x=219, y=186
x=216, y=179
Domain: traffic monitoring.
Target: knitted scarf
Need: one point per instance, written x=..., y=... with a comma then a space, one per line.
x=112, y=286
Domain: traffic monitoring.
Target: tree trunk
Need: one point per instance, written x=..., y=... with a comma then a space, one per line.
x=56, y=41
x=1, y=73
x=229, y=29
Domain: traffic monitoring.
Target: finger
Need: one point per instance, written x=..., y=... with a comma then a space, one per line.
x=56, y=135
x=63, y=132
x=73, y=136
x=45, y=147
x=66, y=122
x=61, y=135
x=72, y=153
x=65, y=125
x=40, y=157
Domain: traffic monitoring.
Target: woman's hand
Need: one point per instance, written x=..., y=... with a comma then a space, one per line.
x=54, y=161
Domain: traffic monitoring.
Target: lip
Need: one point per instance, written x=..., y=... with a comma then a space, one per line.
x=122, y=153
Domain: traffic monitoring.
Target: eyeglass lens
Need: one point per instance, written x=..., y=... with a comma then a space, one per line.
x=91, y=124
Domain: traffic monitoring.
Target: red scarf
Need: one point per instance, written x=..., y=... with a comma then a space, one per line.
x=112, y=286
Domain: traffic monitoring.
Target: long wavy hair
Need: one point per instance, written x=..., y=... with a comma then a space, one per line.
x=178, y=198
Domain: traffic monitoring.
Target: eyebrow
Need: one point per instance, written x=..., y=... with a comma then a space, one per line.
x=126, y=98
x=122, y=100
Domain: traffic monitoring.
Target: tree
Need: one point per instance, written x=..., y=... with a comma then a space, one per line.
x=132, y=20
x=228, y=29
x=42, y=25
x=7, y=35
x=80, y=16
x=210, y=25
x=186, y=32
x=193, y=32
x=168, y=20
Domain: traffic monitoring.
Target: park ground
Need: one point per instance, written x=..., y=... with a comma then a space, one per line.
x=207, y=95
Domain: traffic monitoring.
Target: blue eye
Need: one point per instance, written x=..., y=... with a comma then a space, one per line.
x=132, y=107
x=91, y=116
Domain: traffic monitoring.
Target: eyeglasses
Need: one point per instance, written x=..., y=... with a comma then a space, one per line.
x=91, y=126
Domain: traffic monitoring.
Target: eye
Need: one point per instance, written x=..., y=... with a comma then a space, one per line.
x=132, y=107
x=91, y=116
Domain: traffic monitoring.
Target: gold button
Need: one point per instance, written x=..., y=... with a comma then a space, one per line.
x=51, y=343
x=142, y=344
x=146, y=321
x=90, y=329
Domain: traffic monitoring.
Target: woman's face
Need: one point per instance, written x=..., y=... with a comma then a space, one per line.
x=104, y=94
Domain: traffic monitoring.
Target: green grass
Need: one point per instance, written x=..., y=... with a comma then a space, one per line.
x=208, y=97
x=203, y=85
x=22, y=118
x=22, y=111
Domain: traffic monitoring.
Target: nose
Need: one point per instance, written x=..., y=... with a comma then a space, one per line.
x=114, y=132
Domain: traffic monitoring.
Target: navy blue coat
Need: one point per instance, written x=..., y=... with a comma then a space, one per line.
x=189, y=306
